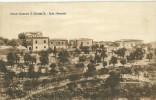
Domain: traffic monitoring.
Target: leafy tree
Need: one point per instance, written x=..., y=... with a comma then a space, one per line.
x=63, y=56
x=17, y=58
x=33, y=59
x=25, y=43
x=80, y=65
x=11, y=58
x=123, y=61
x=52, y=65
x=27, y=58
x=50, y=50
x=85, y=49
x=103, y=54
x=91, y=68
x=113, y=81
x=104, y=63
x=149, y=56
x=55, y=51
x=97, y=59
x=82, y=58
x=74, y=77
x=53, y=70
x=94, y=47
x=113, y=60
x=138, y=53
x=120, y=52
x=77, y=51
x=44, y=57
x=3, y=66
x=81, y=46
x=13, y=42
x=21, y=36
x=116, y=44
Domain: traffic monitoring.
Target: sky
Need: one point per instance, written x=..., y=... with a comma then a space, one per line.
x=100, y=21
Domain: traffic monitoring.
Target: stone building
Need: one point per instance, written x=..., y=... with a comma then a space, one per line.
x=33, y=34
x=129, y=43
x=40, y=43
x=34, y=41
x=104, y=43
x=58, y=43
x=81, y=41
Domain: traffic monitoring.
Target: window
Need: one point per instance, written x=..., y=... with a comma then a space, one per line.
x=44, y=46
x=58, y=42
x=44, y=41
x=62, y=43
x=36, y=41
x=51, y=42
x=36, y=47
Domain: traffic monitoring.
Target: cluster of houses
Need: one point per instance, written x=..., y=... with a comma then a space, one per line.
x=37, y=42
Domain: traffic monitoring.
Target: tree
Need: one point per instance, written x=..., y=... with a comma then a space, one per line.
x=113, y=60
x=138, y=53
x=44, y=57
x=25, y=43
x=11, y=58
x=27, y=58
x=50, y=50
x=17, y=58
x=103, y=55
x=55, y=51
x=14, y=42
x=52, y=65
x=85, y=49
x=116, y=44
x=21, y=36
x=120, y=52
x=91, y=68
x=123, y=61
x=81, y=46
x=77, y=51
x=63, y=56
x=149, y=56
x=97, y=58
x=104, y=63
x=3, y=66
x=93, y=47
x=53, y=70
x=75, y=77
x=112, y=81
x=33, y=59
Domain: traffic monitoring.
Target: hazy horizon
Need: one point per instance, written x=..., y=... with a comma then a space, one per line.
x=100, y=21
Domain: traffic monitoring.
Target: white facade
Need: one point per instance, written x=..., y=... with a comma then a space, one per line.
x=129, y=43
x=58, y=43
x=84, y=42
x=39, y=43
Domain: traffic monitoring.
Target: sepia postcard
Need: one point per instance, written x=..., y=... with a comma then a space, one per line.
x=78, y=51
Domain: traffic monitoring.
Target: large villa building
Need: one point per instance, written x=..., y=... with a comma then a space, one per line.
x=129, y=43
x=76, y=43
x=36, y=41
x=58, y=43
x=33, y=34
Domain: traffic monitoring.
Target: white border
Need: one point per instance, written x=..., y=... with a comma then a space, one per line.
x=77, y=0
